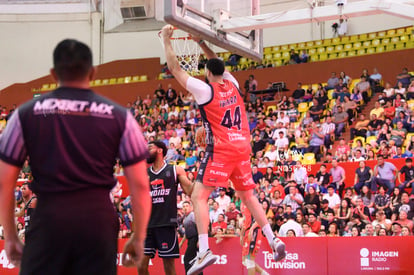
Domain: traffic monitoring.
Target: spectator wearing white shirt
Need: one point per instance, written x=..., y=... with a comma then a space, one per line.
x=215, y=212
x=328, y=129
x=282, y=144
x=291, y=224
x=300, y=174
x=333, y=198
x=272, y=154
x=223, y=200
x=283, y=119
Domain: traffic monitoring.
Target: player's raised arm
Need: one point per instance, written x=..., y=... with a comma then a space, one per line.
x=171, y=56
x=206, y=49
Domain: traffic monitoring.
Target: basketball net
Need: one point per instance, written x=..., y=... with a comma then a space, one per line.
x=187, y=51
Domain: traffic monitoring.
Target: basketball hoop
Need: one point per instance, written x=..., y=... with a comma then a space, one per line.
x=187, y=51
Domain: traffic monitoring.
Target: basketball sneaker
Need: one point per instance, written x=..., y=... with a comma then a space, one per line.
x=278, y=247
x=201, y=261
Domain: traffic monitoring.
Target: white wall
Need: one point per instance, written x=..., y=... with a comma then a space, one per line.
x=27, y=41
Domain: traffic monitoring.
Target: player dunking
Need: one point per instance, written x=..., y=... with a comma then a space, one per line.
x=162, y=227
x=228, y=157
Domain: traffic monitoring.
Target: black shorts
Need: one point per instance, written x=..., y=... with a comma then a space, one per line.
x=72, y=234
x=163, y=239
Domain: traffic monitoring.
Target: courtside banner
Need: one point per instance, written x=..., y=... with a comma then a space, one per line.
x=371, y=255
x=303, y=256
x=314, y=255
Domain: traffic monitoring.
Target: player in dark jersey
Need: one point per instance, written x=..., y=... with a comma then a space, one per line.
x=228, y=146
x=72, y=137
x=162, y=227
x=29, y=200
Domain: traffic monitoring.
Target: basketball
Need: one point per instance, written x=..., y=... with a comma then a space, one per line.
x=200, y=137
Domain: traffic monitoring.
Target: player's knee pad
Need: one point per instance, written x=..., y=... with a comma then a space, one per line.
x=249, y=264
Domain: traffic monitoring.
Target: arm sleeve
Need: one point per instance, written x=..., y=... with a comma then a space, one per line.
x=133, y=147
x=200, y=90
x=12, y=145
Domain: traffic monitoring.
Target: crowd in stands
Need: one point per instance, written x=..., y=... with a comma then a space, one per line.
x=312, y=120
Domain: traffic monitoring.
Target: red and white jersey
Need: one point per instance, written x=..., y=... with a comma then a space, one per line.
x=224, y=115
x=225, y=120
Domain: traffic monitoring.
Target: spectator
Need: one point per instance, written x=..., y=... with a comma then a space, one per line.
x=338, y=177
x=272, y=154
x=363, y=87
x=332, y=198
x=325, y=212
x=333, y=230
x=332, y=81
x=340, y=120
x=404, y=221
x=408, y=171
x=361, y=127
x=171, y=96
x=232, y=212
x=368, y=198
x=406, y=205
x=307, y=231
x=342, y=149
x=323, y=179
x=399, y=134
x=396, y=229
x=160, y=93
x=314, y=223
x=299, y=93
x=304, y=57
x=404, y=77
x=316, y=110
x=251, y=86
x=363, y=177
x=381, y=220
x=294, y=57
x=219, y=224
x=215, y=212
x=294, y=199
x=389, y=111
x=311, y=201
x=291, y=224
x=362, y=211
x=405, y=231
x=316, y=140
x=328, y=129
x=257, y=175
x=384, y=174
x=342, y=27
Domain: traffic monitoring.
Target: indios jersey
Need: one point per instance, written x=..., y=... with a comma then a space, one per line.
x=225, y=120
x=163, y=190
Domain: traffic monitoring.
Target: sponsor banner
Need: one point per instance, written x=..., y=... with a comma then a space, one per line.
x=322, y=256
x=370, y=255
x=304, y=256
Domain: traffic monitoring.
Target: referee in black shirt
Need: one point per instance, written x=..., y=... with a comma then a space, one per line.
x=72, y=137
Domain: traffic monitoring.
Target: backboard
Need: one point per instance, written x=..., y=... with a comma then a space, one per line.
x=204, y=18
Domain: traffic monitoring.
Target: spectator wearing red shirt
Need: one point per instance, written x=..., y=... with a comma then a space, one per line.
x=232, y=212
x=220, y=223
x=314, y=223
x=389, y=110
